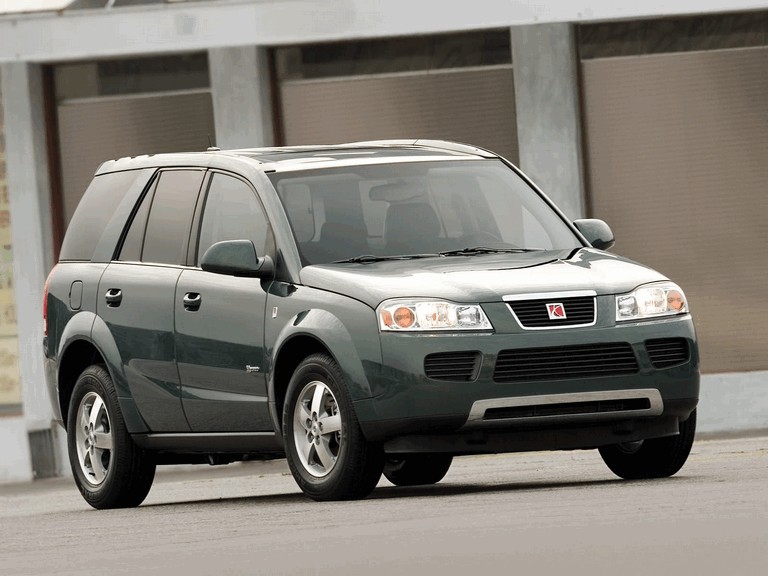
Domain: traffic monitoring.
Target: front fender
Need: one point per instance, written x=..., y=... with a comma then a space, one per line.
x=331, y=332
x=346, y=328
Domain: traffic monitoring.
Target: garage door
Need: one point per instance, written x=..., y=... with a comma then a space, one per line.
x=94, y=130
x=475, y=106
x=677, y=149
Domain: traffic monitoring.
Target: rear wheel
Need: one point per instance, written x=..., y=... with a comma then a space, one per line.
x=654, y=458
x=109, y=469
x=328, y=455
x=417, y=469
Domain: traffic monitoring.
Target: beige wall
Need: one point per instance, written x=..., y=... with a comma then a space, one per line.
x=475, y=106
x=10, y=389
x=678, y=165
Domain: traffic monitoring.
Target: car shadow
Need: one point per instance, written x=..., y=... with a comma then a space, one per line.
x=447, y=489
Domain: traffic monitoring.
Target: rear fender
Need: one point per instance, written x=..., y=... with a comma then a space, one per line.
x=87, y=326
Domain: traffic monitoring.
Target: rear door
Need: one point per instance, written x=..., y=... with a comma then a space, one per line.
x=220, y=319
x=136, y=296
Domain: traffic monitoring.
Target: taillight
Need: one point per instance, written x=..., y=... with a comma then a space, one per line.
x=45, y=303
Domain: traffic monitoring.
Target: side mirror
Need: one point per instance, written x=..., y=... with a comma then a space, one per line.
x=597, y=232
x=236, y=258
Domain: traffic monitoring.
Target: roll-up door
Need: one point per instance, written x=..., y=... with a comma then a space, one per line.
x=93, y=130
x=475, y=106
x=677, y=149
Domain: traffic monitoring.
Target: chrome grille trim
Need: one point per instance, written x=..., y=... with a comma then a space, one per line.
x=552, y=297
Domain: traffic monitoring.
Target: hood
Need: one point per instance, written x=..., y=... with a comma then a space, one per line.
x=481, y=278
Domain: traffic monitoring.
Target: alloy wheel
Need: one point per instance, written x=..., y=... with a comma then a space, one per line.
x=94, y=440
x=317, y=429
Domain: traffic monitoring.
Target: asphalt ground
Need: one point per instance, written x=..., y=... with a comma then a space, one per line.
x=530, y=513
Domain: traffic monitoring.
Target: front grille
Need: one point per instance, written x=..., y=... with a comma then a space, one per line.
x=533, y=313
x=668, y=352
x=564, y=362
x=455, y=366
x=568, y=409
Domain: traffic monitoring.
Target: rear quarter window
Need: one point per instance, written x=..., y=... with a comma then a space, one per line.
x=95, y=211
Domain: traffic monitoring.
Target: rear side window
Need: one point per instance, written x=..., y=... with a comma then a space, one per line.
x=171, y=208
x=95, y=211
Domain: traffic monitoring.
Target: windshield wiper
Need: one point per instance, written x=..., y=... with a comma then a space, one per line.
x=367, y=258
x=486, y=250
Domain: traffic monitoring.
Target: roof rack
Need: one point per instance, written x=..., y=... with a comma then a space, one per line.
x=439, y=144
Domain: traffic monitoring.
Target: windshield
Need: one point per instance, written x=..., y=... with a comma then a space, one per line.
x=453, y=208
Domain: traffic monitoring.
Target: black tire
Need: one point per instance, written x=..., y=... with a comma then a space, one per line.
x=327, y=463
x=109, y=469
x=417, y=469
x=654, y=458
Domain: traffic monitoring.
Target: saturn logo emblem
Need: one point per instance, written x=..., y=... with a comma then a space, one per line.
x=556, y=311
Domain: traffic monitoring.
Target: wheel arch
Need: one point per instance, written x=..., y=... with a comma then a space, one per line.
x=291, y=353
x=78, y=355
x=80, y=349
x=310, y=332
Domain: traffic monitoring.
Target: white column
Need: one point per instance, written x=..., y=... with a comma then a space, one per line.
x=242, y=101
x=29, y=198
x=548, y=118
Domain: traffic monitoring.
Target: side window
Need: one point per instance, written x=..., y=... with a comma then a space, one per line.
x=95, y=211
x=232, y=212
x=134, y=239
x=168, y=224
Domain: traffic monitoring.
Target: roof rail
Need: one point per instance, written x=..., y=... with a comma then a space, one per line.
x=439, y=144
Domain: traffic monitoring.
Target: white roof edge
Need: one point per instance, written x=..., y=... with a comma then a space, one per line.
x=185, y=26
x=8, y=7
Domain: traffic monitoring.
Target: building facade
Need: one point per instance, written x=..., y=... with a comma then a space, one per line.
x=651, y=117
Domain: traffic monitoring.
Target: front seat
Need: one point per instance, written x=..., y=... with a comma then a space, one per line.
x=411, y=228
x=340, y=241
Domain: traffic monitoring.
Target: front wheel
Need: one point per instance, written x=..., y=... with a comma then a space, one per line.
x=654, y=458
x=417, y=469
x=109, y=469
x=328, y=455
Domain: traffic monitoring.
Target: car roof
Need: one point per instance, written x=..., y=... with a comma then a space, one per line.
x=275, y=158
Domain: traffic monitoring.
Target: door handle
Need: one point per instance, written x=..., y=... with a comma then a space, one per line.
x=192, y=301
x=114, y=297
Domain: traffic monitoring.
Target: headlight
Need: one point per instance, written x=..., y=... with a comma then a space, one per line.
x=419, y=315
x=651, y=301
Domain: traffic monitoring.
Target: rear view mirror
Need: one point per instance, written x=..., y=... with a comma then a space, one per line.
x=597, y=232
x=236, y=258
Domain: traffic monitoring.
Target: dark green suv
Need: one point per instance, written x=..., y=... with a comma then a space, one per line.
x=358, y=309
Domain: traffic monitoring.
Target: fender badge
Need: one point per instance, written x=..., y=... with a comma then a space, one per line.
x=250, y=369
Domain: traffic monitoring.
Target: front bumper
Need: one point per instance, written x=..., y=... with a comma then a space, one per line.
x=647, y=401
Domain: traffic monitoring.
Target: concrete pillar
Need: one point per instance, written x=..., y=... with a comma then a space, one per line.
x=30, y=209
x=548, y=117
x=242, y=100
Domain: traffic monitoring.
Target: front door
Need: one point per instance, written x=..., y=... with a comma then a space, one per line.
x=220, y=321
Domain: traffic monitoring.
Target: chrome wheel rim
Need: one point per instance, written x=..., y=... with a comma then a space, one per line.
x=93, y=438
x=317, y=429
